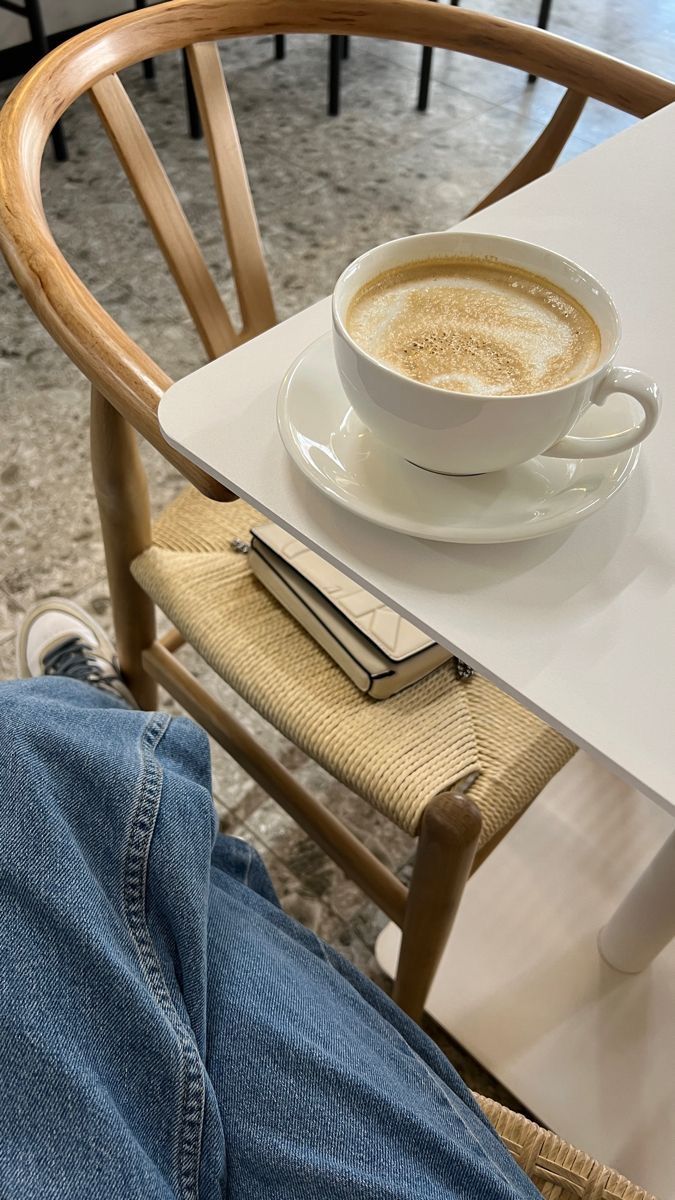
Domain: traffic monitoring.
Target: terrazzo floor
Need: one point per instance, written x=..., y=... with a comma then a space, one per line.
x=325, y=189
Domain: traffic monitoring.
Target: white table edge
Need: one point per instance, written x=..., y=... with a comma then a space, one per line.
x=480, y=667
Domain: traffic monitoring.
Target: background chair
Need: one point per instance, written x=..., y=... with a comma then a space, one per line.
x=427, y=52
x=30, y=9
x=338, y=49
x=453, y=763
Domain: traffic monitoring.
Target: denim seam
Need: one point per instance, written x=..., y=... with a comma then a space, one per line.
x=135, y=884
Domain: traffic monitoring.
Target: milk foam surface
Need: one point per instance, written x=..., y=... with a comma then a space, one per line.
x=474, y=325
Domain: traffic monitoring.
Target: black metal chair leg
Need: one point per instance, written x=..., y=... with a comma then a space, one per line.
x=542, y=23
x=425, y=73
x=425, y=79
x=194, y=120
x=148, y=63
x=279, y=45
x=59, y=143
x=334, y=56
x=345, y=46
x=40, y=47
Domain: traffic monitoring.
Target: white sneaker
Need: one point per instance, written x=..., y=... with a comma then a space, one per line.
x=57, y=637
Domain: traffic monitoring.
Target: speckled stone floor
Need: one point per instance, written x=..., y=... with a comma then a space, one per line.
x=325, y=189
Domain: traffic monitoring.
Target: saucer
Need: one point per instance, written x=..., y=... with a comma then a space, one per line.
x=342, y=458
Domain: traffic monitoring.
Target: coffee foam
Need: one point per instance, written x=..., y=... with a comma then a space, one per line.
x=474, y=325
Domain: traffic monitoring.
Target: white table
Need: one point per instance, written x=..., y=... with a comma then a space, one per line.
x=580, y=627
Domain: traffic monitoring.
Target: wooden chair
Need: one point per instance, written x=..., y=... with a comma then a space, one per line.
x=453, y=763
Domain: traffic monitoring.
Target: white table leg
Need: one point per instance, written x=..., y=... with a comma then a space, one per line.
x=644, y=922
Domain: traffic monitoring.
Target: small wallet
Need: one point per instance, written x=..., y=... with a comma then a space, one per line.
x=380, y=651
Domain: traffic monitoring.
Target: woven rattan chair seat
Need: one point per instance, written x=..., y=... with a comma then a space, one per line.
x=558, y=1170
x=396, y=753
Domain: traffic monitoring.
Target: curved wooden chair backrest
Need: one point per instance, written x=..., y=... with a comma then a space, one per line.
x=117, y=368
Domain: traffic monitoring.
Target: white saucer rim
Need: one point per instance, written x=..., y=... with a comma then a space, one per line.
x=546, y=526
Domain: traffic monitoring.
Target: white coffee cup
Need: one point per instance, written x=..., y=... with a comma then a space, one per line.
x=465, y=434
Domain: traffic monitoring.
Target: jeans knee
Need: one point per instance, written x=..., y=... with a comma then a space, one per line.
x=17, y=697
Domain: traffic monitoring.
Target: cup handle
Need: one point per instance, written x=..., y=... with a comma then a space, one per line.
x=631, y=383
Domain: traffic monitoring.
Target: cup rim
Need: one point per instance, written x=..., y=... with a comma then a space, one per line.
x=339, y=324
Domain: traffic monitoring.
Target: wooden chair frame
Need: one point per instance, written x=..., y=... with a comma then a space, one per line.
x=127, y=384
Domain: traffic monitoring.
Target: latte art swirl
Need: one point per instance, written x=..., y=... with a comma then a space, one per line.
x=474, y=325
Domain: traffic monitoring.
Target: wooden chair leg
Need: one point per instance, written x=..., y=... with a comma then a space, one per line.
x=124, y=509
x=447, y=843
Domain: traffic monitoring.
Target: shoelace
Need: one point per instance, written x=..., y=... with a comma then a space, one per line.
x=79, y=661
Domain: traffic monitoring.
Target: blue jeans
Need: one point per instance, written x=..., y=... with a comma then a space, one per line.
x=165, y=1029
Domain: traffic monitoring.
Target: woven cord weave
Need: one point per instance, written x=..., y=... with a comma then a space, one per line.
x=397, y=753
x=558, y=1170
